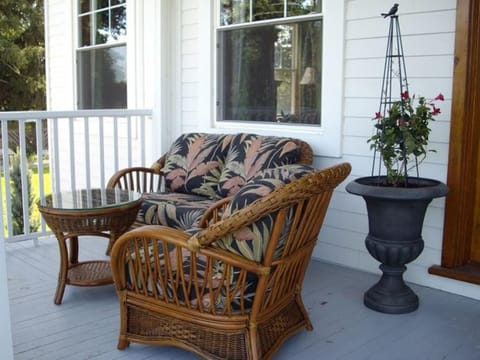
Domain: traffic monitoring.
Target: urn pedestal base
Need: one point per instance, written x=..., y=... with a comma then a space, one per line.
x=390, y=294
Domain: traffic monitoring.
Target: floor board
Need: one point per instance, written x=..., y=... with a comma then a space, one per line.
x=85, y=326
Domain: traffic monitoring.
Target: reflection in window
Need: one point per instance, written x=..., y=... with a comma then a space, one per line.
x=102, y=78
x=238, y=11
x=271, y=73
x=101, y=68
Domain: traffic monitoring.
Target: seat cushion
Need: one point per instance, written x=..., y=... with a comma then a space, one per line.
x=249, y=154
x=177, y=210
x=195, y=162
x=251, y=241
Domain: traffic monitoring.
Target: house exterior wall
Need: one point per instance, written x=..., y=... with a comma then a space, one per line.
x=181, y=84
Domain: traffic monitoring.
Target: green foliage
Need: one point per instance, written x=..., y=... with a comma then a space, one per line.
x=16, y=197
x=402, y=137
x=22, y=55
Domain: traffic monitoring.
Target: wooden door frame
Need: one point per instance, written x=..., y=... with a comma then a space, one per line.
x=460, y=207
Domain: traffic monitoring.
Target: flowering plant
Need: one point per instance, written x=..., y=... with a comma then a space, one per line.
x=401, y=138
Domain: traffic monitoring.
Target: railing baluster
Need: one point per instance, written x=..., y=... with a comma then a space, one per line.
x=115, y=144
x=6, y=175
x=73, y=170
x=22, y=154
x=129, y=139
x=101, y=149
x=55, y=154
x=88, y=164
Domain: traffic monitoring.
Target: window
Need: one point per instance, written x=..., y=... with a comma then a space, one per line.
x=101, y=56
x=270, y=61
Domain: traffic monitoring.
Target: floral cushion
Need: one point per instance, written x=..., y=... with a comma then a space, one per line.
x=177, y=210
x=251, y=241
x=251, y=153
x=194, y=163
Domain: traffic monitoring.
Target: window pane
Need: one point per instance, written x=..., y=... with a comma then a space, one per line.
x=102, y=32
x=84, y=6
x=295, y=8
x=119, y=23
x=100, y=4
x=264, y=9
x=84, y=32
x=116, y=2
x=271, y=73
x=234, y=12
x=102, y=81
x=238, y=11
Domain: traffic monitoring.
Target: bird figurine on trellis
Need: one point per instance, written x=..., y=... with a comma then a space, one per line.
x=391, y=12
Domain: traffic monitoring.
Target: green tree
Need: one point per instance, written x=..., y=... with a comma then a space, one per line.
x=22, y=55
x=16, y=196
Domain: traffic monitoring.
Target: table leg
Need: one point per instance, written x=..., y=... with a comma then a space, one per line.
x=73, y=253
x=63, y=272
x=111, y=240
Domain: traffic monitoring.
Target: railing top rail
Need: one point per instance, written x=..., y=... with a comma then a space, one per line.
x=27, y=115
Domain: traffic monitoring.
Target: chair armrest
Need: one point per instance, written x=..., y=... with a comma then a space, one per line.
x=214, y=213
x=161, y=268
x=140, y=179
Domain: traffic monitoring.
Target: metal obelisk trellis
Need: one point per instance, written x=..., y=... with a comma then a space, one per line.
x=394, y=71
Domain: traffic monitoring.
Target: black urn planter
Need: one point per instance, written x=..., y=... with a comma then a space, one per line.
x=395, y=221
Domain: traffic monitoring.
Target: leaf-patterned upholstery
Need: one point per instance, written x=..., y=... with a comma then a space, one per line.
x=249, y=154
x=194, y=163
x=177, y=210
x=200, y=169
x=251, y=241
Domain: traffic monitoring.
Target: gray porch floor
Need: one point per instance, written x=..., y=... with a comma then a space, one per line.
x=85, y=326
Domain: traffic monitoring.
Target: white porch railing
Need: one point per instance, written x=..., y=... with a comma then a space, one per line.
x=63, y=151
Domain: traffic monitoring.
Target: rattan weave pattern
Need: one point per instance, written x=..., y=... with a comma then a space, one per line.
x=90, y=271
x=154, y=325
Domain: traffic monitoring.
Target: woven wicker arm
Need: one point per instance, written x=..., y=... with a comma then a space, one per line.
x=140, y=179
x=207, y=311
x=214, y=213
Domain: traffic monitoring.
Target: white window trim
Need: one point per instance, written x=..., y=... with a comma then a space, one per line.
x=326, y=139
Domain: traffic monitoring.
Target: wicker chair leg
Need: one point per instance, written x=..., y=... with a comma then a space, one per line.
x=301, y=306
x=123, y=343
x=253, y=343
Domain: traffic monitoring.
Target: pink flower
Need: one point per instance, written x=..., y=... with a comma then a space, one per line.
x=378, y=115
x=440, y=97
x=405, y=95
x=435, y=110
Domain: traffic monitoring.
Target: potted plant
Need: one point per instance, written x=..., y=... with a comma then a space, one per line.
x=396, y=200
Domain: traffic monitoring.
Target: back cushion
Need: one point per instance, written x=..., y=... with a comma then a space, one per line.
x=251, y=241
x=195, y=162
x=251, y=153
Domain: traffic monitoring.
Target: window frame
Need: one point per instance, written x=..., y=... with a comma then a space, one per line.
x=324, y=139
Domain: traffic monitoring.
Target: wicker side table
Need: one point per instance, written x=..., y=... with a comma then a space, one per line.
x=98, y=212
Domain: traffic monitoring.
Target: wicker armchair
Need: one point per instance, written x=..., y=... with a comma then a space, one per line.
x=191, y=291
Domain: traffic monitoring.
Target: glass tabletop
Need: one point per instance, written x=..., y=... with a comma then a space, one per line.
x=89, y=199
